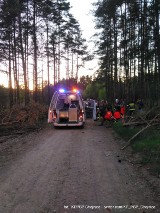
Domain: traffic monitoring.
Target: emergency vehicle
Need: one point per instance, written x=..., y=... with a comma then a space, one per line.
x=66, y=109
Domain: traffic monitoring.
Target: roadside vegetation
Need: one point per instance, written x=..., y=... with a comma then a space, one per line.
x=146, y=143
x=21, y=119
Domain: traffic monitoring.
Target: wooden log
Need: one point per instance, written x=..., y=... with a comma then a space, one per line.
x=9, y=123
x=134, y=123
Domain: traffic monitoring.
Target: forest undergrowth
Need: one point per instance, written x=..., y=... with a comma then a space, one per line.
x=142, y=133
x=21, y=119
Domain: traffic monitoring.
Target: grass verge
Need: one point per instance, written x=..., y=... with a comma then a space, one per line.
x=146, y=144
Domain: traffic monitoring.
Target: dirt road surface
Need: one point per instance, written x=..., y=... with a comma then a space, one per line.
x=71, y=170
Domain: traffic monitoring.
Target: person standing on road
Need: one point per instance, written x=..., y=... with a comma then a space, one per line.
x=98, y=110
x=102, y=108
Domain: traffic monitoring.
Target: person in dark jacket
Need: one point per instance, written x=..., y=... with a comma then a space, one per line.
x=140, y=105
x=122, y=110
x=102, y=109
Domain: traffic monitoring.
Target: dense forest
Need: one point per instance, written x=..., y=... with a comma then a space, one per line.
x=38, y=38
x=41, y=37
x=129, y=49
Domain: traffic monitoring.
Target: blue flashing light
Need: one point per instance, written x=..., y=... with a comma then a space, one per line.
x=61, y=90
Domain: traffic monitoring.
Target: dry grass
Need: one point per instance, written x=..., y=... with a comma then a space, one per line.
x=21, y=117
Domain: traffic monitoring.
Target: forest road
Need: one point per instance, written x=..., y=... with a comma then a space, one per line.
x=70, y=170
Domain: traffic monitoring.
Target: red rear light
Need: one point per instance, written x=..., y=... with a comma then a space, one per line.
x=81, y=115
x=50, y=114
x=54, y=115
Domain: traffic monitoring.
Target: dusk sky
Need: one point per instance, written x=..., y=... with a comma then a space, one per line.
x=81, y=10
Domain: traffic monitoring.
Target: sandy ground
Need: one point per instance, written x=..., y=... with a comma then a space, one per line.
x=72, y=170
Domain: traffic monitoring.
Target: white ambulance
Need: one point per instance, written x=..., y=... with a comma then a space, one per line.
x=66, y=109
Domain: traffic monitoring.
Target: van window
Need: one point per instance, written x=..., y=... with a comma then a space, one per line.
x=60, y=104
x=69, y=98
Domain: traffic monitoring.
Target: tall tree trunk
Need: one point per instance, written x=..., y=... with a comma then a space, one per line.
x=35, y=77
x=54, y=61
x=15, y=68
x=126, y=55
x=23, y=60
x=48, y=71
x=59, y=56
x=157, y=46
x=115, y=57
x=72, y=65
x=10, y=74
x=77, y=68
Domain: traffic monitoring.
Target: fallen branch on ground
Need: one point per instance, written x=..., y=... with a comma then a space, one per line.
x=146, y=127
x=136, y=123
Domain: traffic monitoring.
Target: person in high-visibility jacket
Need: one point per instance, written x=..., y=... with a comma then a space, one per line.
x=109, y=115
x=131, y=106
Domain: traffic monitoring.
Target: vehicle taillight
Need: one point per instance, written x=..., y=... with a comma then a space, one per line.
x=54, y=115
x=50, y=114
x=81, y=115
